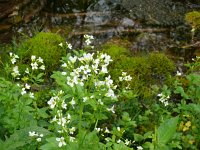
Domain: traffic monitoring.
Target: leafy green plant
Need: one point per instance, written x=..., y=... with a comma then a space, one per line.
x=163, y=134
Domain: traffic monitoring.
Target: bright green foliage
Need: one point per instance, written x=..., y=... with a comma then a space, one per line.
x=44, y=45
x=193, y=18
x=166, y=130
x=146, y=71
x=163, y=134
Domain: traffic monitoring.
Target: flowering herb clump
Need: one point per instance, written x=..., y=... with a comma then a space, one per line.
x=88, y=93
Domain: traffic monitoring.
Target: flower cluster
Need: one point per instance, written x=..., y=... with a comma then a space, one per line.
x=25, y=88
x=15, y=72
x=69, y=46
x=35, y=62
x=88, y=39
x=36, y=135
x=125, y=77
x=60, y=119
x=13, y=57
x=61, y=141
x=163, y=99
x=88, y=68
x=78, y=72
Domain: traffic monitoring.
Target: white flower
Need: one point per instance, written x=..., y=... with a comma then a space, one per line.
x=178, y=73
x=85, y=99
x=100, y=102
x=23, y=91
x=128, y=78
x=27, y=71
x=40, y=60
x=39, y=139
x=73, y=59
x=106, y=130
x=111, y=109
x=118, y=141
x=69, y=45
x=33, y=57
x=70, y=81
x=34, y=65
x=54, y=119
x=139, y=148
x=61, y=44
x=108, y=81
x=72, y=130
x=10, y=54
x=72, y=102
x=104, y=69
x=163, y=99
x=118, y=128
x=127, y=142
x=31, y=95
x=166, y=103
x=32, y=133
x=64, y=65
x=13, y=60
x=88, y=39
x=107, y=59
x=42, y=67
x=27, y=86
x=110, y=94
x=61, y=141
x=64, y=105
x=98, y=129
x=120, y=78
x=95, y=68
x=107, y=139
x=160, y=95
x=71, y=139
x=68, y=116
x=124, y=73
x=62, y=121
x=15, y=71
x=64, y=73
x=88, y=42
x=41, y=135
x=52, y=102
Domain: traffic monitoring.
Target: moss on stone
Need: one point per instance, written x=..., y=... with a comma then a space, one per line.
x=193, y=18
x=147, y=71
x=44, y=45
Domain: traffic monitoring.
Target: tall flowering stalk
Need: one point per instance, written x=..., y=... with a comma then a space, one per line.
x=87, y=94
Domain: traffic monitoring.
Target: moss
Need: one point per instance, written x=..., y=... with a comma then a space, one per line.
x=114, y=50
x=193, y=18
x=147, y=71
x=44, y=45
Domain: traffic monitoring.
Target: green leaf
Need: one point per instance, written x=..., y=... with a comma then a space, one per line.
x=181, y=91
x=21, y=137
x=51, y=144
x=166, y=130
x=121, y=146
x=138, y=137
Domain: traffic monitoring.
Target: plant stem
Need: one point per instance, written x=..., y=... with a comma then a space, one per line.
x=80, y=116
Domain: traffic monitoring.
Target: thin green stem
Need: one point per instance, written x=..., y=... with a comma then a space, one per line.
x=80, y=116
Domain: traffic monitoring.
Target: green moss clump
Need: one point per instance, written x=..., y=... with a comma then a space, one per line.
x=193, y=18
x=147, y=71
x=44, y=45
